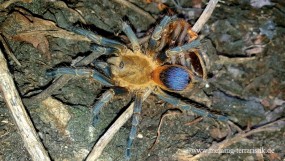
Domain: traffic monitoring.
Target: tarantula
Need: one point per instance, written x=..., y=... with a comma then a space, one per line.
x=154, y=67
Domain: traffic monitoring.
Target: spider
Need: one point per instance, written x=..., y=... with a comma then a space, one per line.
x=169, y=62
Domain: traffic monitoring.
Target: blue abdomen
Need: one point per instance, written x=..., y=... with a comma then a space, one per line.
x=175, y=78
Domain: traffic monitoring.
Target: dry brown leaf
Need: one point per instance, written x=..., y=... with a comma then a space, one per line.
x=29, y=32
x=30, y=23
x=39, y=41
x=35, y=31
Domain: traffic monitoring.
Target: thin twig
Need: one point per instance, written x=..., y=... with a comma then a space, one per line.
x=168, y=113
x=236, y=60
x=19, y=114
x=8, y=50
x=136, y=9
x=205, y=16
x=194, y=121
x=109, y=134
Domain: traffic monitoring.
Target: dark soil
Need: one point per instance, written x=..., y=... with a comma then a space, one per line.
x=246, y=58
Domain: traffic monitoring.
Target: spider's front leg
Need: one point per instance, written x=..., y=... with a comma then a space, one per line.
x=157, y=33
x=100, y=40
x=187, y=107
x=81, y=72
x=104, y=67
x=98, y=50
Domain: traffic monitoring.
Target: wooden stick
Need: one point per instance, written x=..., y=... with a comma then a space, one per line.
x=8, y=50
x=205, y=16
x=270, y=127
x=168, y=113
x=19, y=114
x=126, y=115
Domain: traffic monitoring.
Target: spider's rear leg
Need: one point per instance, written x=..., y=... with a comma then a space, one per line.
x=180, y=31
x=189, y=57
x=196, y=63
x=104, y=99
x=170, y=34
x=183, y=34
x=187, y=31
x=157, y=33
x=169, y=30
x=135, y=122
x=81, y=72
x=172, y=31
x=187, y=107
x=179, y=49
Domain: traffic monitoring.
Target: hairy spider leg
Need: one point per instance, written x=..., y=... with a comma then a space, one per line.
x=183, y=33
x=192, y=34
x=103, y=100
x=81, y=72
x=177, y=28
x=135, y=122
x=180, y=51
x=132, y=36
x=104, y=67
x=183, y=48
x=157, y=33
x=100, y=50
x=181, y=29
x=170, y=34
x=163, y=41
x=187, y=107
x=185, y=59
x=99, y=39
